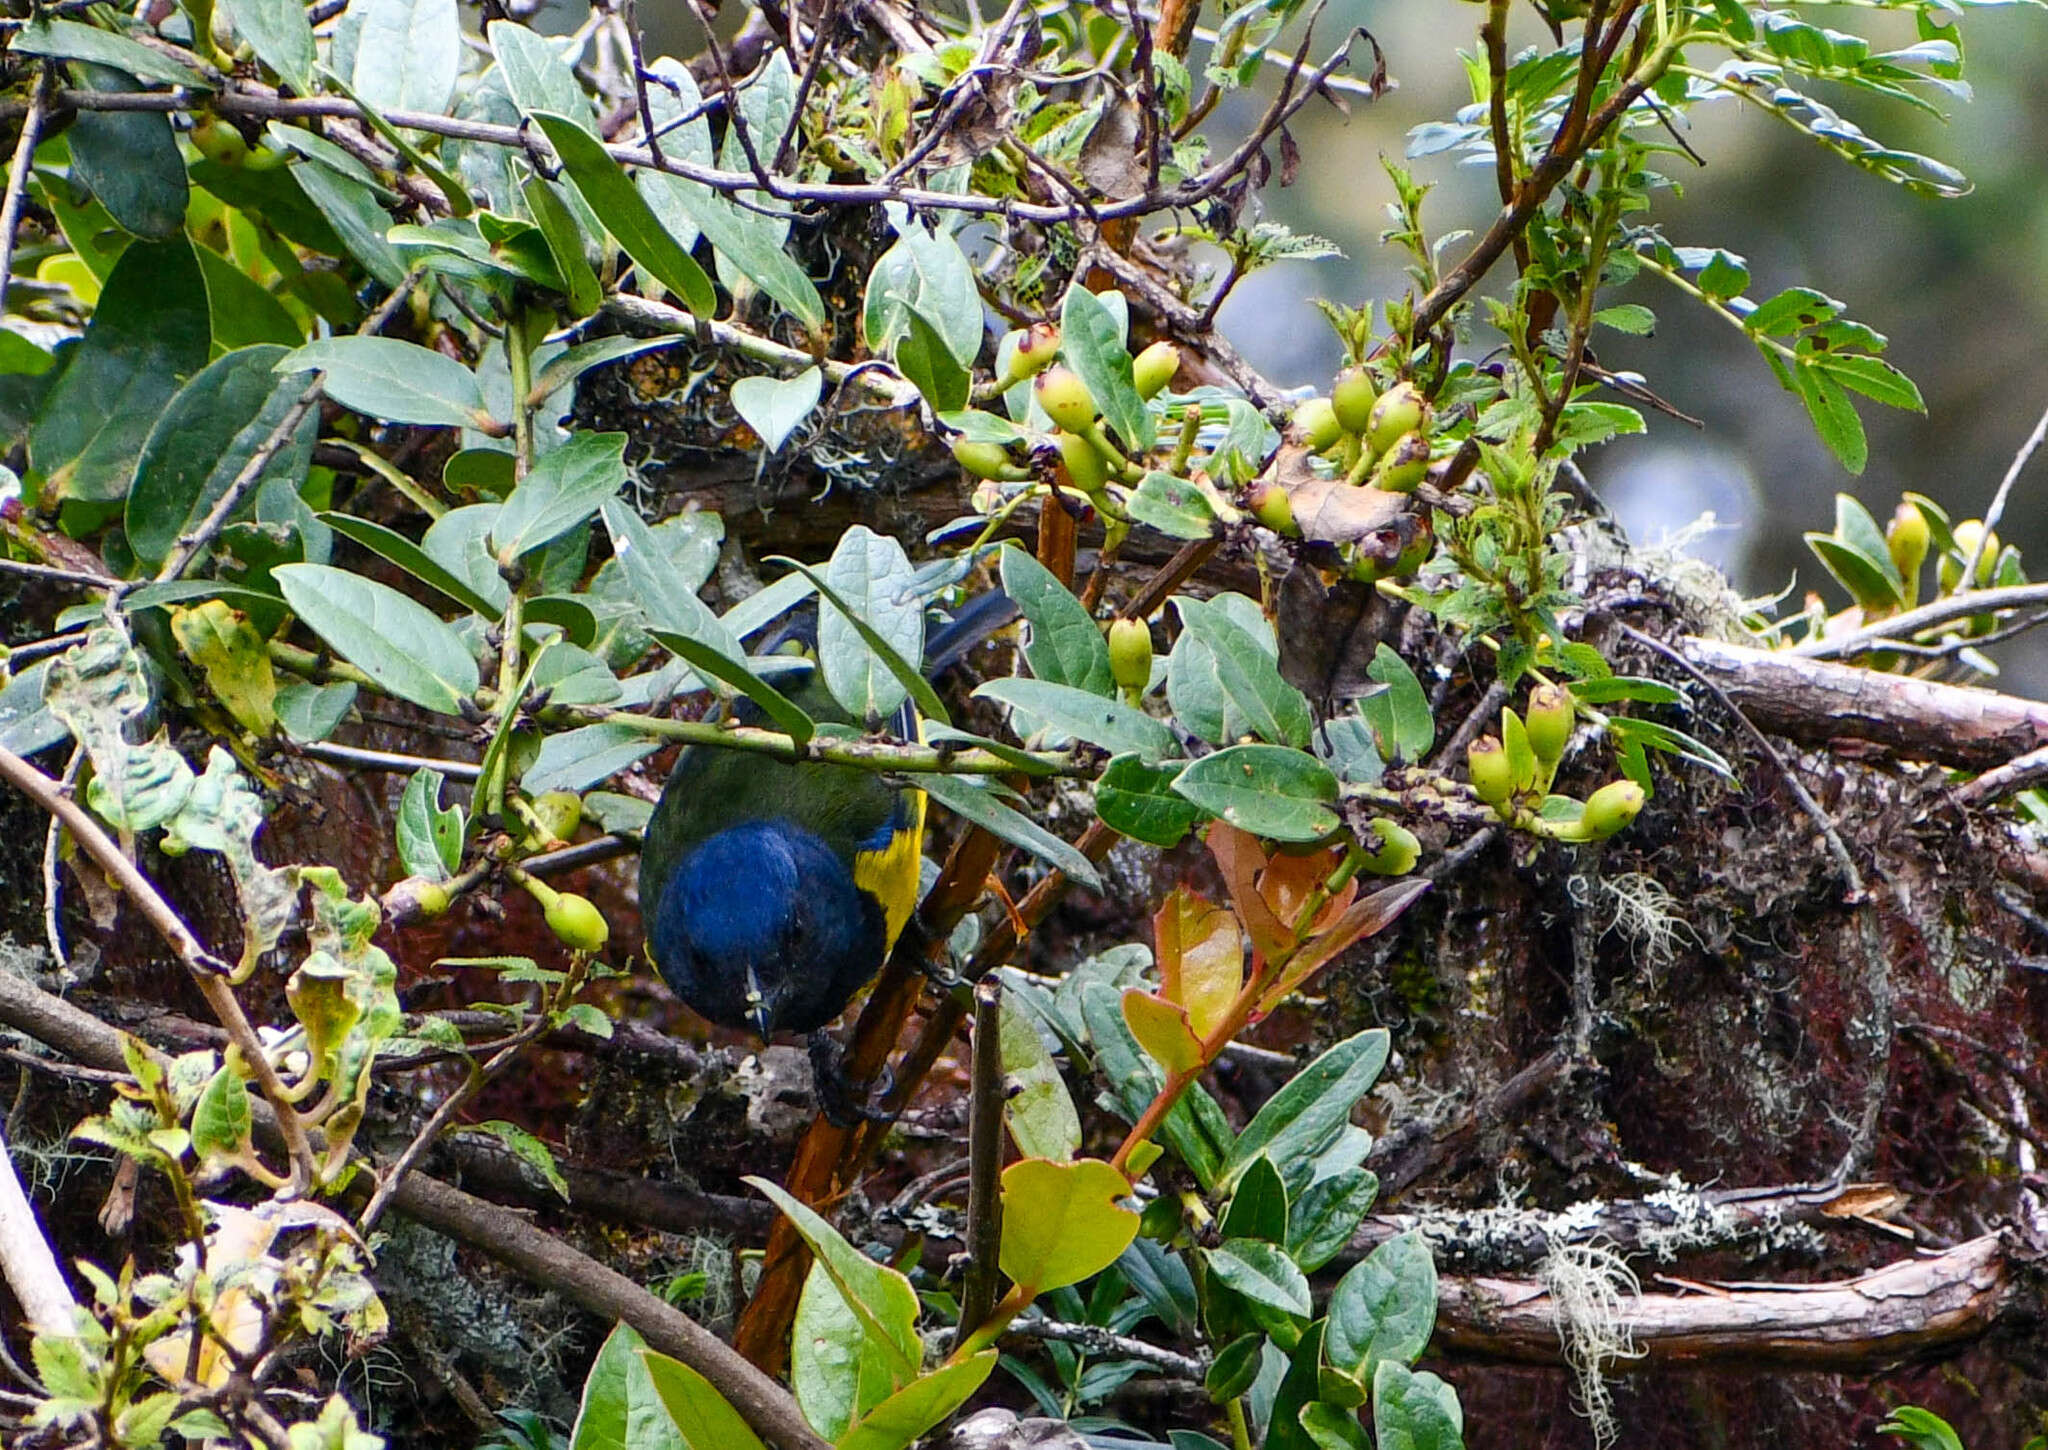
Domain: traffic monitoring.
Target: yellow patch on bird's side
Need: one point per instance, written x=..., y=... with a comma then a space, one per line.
x=891, y=874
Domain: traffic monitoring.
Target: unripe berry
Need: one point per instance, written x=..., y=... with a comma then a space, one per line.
x=1352, y=399
x=1316, y=421
x=1399, y=412
x=1402, y=468
x=1153, y=369
x=1271, y=506
x=1611, y=807
x=1398, y=850
x=986, y=460
x=577, y=922
x=1493, y=779
x=1549, y=722
x=1085, y=466
x=1907, y=537
x=1036, y=349
x=1130, y=654
x=216, y=140
x=415, y=899
x=557, y=814
x=1066, y=399
x=1968, y=532
x=1418, y=550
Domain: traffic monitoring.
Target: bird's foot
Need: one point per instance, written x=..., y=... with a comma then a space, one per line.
x=844, y=1102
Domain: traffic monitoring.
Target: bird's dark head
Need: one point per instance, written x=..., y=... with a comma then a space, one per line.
x=761, y=927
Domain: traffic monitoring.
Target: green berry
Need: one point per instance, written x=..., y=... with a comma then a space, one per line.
x=1402, y=468
x=1130, y=654
x=577, y=922
x=1084, y=463
x=1353, y=398
x=1549, y=721
x=1153, y=369
x=415, y=899
x=1271, y=506
x=986, y=460
x=1610, y=808
x=1493, y=779
x=1316, y=421
x=1968, y=532
x=1397, y=852
x=1399, y=412
x=1908, y=537
x=1036, y=349
x=1066, y=399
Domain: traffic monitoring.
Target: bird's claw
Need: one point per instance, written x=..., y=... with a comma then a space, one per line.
x=845, y=1103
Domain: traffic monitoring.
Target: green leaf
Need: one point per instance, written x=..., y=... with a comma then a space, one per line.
x=1111, y=724
x=565, y=488
x=880, y=1297
x=603, y=184
x=221, y=1121
x=281, y=36
x=1235, y=1367
x=978, y=804
x=699, y=1414
x=775, y=407
x=1063, y=1222
x=1138, y=800
x=924, y=273
x=312, y=712
x=1092, y=344
x=1414, y=1410
x=1258, y=1209
x=526, y=1148
x=408, y=54
x=921, y=1405
x=922, y=357
x=566, y=244
x=1250, y=676
x=620, y=1409
x=239, y=310
x=870, y=582
x=1262, y=1273
x=537, y=75
x=1316, y=1104
x=1383, y=1309
x=396, y=548
x=1399, y=715
x=836, y=1372
x=204, y=439
x=1723, y=275
x=578, y=759
x=1171, y=505
x=392, y=380
x=1332, y=1427
x=1269, y=790
x=408, y=651
x=129, y=160
x=566, y=366
x=1322, y=1220
x=1834, y=418
x=69, y=40
x=1065, y=645
x=1041, y=1116
x=148, y=333
x=429, y=834
x=1630, y=317
x=1790, y=311
x=355, y=216
x=1871, y=376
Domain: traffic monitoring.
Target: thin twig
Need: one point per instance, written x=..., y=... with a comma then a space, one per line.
x=53, y=899
x=55, y=575
x=1094, y=1339
x=29, y=1266
x=17, y=175
x=2021, y=773
x=386, y=760
x=1997, y=510
x=1927, y=616
x=985, y=1161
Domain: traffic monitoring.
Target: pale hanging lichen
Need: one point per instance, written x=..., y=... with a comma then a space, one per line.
x=1588, y=1284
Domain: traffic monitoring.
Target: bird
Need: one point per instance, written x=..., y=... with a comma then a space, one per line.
x=774, y=889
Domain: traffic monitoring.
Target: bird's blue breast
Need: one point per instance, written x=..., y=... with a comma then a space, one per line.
x=762, y=920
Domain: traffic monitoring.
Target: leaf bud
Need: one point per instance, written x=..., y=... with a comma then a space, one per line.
x=1066, y=399
x=577, y=922
x=1130, y=654
x=1399, y=412
x=1402, y=468
x=1397, y=852
x=1153, y=369
x=1549, y=722
x=1352, y=399
x=1316, y=421
x=1486, y=762
x=1611, y=808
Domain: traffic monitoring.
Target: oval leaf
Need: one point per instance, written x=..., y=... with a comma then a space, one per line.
x=406, y=649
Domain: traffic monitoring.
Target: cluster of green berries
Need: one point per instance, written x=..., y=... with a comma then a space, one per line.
x=1512, y=773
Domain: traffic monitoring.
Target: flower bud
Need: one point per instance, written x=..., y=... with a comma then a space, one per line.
x=1130, y=654
x=1398, y=850
x=1316, y=421
x=986, y=460
x=1610, y=808
x=1402, y=468
x=1486, y=762
x=1153, y=369
x=1352, y=399
x=1907, y=537
x=1085, y=466
x=1399, y=412
x=1968, y=532
x=1549, y=721
x=1066, y=399
x=577, y=922
x=1271, y=506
